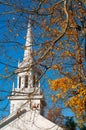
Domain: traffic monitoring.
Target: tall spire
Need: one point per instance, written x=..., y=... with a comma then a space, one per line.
x=25, y=75
x=28, y=45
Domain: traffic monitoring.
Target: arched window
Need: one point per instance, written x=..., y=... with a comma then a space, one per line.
x=26, y=81
x=19, y=82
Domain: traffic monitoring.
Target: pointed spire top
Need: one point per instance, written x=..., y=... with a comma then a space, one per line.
x=28, y=45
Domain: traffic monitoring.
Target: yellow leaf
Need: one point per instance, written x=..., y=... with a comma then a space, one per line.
x=67, y=45
x=54, y=99
x=58, y=95
x=73, y=86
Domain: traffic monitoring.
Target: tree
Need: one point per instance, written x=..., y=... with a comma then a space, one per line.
x=70, y=124
x=58, y=30
x=71, y=64
x=55, y=113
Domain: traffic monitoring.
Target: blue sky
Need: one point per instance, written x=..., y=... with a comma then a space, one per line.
x=12, y=40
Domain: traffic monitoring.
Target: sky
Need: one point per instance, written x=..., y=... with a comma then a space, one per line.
x=13, y=29
x=12, y=40
x=10, y=55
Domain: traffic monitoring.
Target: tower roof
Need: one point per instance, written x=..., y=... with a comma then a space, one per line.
x=28, y=45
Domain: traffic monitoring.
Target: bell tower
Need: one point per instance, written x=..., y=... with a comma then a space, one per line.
x=27, y=92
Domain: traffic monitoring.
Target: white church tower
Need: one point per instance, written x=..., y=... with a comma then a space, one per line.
x=25, y=99
x=27, y=87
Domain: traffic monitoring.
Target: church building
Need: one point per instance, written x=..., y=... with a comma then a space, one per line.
x=26, y=99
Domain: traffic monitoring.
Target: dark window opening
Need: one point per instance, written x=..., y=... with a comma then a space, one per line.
x=26, y=81
x=19, y=82
x=35, y=81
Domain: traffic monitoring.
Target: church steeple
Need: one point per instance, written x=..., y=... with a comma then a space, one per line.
x=26, y=103
x=25, y=75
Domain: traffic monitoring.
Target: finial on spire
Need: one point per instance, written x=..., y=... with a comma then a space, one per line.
x=29, y=21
